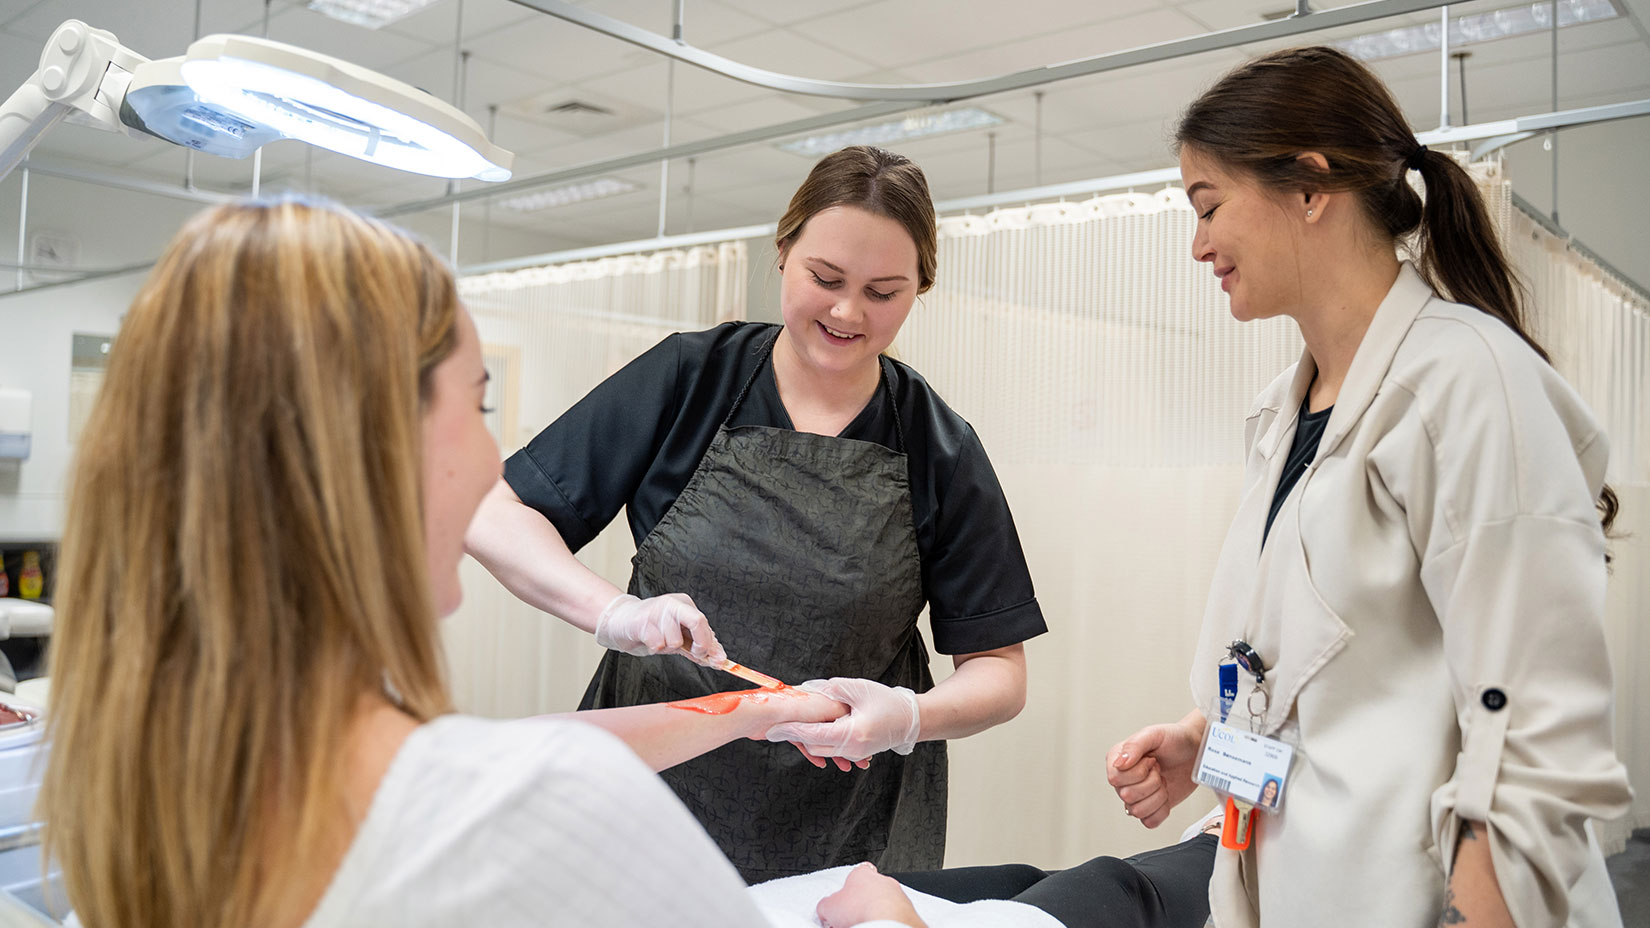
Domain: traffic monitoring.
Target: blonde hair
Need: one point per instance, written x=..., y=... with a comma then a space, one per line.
x=243, y=561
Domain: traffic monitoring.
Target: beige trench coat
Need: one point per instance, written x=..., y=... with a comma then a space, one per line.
x=1442, y=544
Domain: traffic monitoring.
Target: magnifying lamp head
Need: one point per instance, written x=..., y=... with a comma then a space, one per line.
x=159, y=103
x=300, y=94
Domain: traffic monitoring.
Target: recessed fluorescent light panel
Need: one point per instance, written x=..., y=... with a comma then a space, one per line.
x=568, y=194
x=1473, y=28
x=911, y=127
x=368, y=13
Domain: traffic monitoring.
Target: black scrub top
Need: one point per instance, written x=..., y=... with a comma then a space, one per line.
x=636, y=439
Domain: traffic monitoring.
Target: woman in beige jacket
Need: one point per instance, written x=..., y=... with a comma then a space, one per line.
x=1418, y=559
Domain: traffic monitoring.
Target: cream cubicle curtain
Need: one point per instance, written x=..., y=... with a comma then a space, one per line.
x=1109, y=384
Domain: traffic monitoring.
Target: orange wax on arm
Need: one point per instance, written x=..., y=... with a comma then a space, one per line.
x=723, y=703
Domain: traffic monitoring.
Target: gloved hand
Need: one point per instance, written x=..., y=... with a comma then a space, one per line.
x=881, y=718
x=668, y=624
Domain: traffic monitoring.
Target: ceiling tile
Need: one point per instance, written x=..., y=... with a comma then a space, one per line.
x=12, y=9
x=700, y=91
x=885, y=33
x=705, y=22
x=485, y=81
x=1056, y=47
x=725, y=172
x=19, y=57
x=1529, y=49
x=133, y=24
x=557, y=51
x=437, y=23
x=1502, y=91
x=786, y=13
x=795, y=52
x=763, y=111
x=368, y=48
x=98, y=146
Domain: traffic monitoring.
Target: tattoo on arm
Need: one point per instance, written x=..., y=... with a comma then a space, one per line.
x=1452, y=915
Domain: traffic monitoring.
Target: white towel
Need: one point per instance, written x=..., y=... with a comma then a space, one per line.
x=790, y=903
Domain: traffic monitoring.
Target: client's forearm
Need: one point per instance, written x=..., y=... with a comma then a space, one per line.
x=663, y=734
x=666, y=734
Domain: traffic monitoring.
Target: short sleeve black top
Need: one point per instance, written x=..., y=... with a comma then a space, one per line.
x=636, y=439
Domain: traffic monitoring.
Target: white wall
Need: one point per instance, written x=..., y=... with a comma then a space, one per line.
x=35, y=334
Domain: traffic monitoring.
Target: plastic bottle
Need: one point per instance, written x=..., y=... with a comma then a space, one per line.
x=31, y=580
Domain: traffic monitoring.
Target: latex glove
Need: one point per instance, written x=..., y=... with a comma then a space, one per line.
x=661, y=625
x=880, y=718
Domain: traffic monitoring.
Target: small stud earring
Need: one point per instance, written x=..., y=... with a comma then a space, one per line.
x=1309, y=214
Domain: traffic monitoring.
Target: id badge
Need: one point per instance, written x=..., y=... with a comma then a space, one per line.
x=1245, y=766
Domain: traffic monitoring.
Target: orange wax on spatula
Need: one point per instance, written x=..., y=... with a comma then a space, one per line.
x=745, y=673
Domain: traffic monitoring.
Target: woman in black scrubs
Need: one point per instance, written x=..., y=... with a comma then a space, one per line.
x=809, y=496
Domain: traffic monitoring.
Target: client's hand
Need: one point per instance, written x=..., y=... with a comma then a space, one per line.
x=789, y=705
x=1151, y=770
x=866, y=897
x=884, y=718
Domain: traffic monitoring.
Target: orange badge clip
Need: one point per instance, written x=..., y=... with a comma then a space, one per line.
x=1240, y=825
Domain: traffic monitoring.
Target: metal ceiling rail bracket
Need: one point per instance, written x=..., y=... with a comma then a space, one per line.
x=1498, y=134
x=900, y=99
x=82, y=277
x=134, y=185
x=961, y=90
x=1490, y=130
x=1507, y=131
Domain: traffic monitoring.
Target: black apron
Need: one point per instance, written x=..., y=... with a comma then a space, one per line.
x=802, y=551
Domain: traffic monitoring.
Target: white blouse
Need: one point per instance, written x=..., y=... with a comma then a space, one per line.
x=550, y=822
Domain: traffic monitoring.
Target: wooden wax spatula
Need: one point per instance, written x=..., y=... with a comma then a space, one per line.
x=738, y=670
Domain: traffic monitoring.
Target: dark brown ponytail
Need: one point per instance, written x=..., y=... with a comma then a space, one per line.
x=1457, y=249
x=1262, y=115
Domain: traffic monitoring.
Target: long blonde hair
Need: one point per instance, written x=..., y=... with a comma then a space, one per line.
x=243, y=560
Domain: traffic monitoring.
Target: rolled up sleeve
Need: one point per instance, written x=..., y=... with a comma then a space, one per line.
x=1499, y=490
x=1521, y=603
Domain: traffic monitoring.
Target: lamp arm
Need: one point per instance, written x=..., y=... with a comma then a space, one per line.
x=25, y=116
x=83, y=70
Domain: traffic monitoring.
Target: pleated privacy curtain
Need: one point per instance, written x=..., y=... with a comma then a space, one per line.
x=1109, y=384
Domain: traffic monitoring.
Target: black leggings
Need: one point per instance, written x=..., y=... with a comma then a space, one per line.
x=1165, y=888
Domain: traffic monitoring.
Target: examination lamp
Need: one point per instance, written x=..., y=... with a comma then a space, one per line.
x=229, y=95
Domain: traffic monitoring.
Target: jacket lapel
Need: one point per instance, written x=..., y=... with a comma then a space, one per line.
x=1393, y=318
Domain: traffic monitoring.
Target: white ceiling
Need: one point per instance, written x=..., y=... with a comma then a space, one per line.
x=522, y=61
